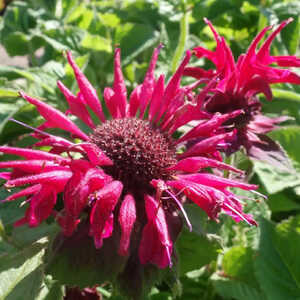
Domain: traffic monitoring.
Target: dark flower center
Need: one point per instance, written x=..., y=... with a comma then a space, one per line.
x=139, y=151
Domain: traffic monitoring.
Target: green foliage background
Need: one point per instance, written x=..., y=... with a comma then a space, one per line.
x=218, y=261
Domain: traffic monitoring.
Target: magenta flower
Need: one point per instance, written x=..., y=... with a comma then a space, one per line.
x=236, y=85
x=126, y=178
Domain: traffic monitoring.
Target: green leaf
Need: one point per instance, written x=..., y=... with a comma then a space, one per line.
x=109, y=20
x=183, y=38
x=271, y=272
x=16, y=43
x=132, y=46
x=286, y=239
x=275, y=179
x=24, y=236
x=21, y=274
x=283, y=201
x=195, y=251
x=284, y=103
x=10, y=212
x=238, y=264
x=289, y=138
x=57, y=45
x=14, y=73
x=96, y=42
x=238, y=290
x=6, y=93
x=7, y=110
x=199, y=220
x=68, y=255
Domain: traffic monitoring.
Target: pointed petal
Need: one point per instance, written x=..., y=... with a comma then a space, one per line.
x=31, y=166
x=96, y=155
x=23, y=193
x=207, y=145
x=206, y=197
x=155, y=246
x=57, y=179
x=156, y=98
x=87, y=90
x=77, y=108
x=54, y=117
x=5, y=175
x=134, y=101
x=196, y=163
x=80, y=186
x=173, y=85
x=149, y=82
x=119, y=85
x=107, y=199
x=33, y=154
x=127, y=217
x=111, y=102
x=216, y=181
x=264, y=52
x=41, y=205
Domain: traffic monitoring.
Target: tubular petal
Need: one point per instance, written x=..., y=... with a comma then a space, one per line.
x=149, y=82
x=40, y=208
x=26, y=192
x=106, y=200
x=33, y=154
x=156, y=245
x=77, y=107
x=54, y=117
x=57, y=179
x=87, y=90
x=127, y=217
x=216, y=181
x=196, y=163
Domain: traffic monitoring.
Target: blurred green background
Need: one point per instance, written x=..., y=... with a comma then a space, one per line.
x=218, y=261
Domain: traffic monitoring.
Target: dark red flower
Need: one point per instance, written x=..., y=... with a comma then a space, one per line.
x=126, y=178
x=236, y=84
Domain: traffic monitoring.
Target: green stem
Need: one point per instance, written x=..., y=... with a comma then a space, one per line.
x=183, y=37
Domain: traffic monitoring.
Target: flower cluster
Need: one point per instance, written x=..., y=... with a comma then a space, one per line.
x=126, y=177
x=236, y=85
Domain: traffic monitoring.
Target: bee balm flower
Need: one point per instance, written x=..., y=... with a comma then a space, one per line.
x=128, y=179
x=236, y=85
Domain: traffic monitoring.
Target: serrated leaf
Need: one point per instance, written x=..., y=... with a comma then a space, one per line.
x=238, y=264
x=24, y=236
x=284, y=102
x=195, y=251
x=20, y=273
x=16, y=43
x=96, y=43
x=289, y=138
x=9, y=211
x=283, y=201
x=236, y=290
x=271, y=272
x=78, y=252
x=130, y=45
x=110, y=20
x=275, y=179
x=286, y=239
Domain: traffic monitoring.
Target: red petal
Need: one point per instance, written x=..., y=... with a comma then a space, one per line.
x=127, y=217
x=87, y=90
x=77, y=107
x=54, y=117
x=107, y=199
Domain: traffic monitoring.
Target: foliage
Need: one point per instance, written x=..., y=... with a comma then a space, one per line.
x=218, y=261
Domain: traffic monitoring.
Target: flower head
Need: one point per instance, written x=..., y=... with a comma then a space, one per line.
x=236, y=85
x=126, y=178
